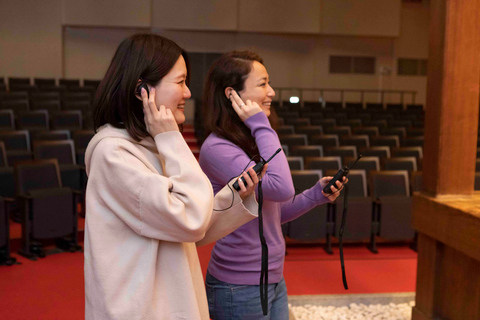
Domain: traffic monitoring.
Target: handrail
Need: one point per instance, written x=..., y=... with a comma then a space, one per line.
x=343, y=91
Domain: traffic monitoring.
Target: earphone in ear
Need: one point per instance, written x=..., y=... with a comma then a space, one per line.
x=139, y=89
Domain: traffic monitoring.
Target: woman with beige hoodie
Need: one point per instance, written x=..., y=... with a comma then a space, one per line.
x=148, y=203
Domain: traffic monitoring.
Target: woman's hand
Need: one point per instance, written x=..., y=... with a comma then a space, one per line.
x=335, y=189
x=244, y=110
x=157, y=120
x=252, y=182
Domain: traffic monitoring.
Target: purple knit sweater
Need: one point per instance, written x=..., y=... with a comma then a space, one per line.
x=236, y=258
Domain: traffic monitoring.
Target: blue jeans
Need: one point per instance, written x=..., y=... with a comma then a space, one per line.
x=242, y=302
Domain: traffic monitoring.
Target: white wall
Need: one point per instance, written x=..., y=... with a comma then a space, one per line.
x=294, y=54
x=31, y=38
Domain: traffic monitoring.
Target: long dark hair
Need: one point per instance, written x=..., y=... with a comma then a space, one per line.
x=142, y=56
x=230, y=70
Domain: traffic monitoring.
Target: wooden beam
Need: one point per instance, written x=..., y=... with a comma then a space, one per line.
x=451, y=124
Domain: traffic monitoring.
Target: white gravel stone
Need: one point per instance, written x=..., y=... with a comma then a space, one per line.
x=391, y=311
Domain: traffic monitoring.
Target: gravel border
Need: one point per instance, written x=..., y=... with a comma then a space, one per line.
x=344, y=306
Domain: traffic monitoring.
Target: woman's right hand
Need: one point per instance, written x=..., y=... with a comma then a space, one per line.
x=157, y=120
x=244, y=110
x=246, y=190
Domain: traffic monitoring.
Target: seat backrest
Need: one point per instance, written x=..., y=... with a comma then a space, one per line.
x=44, y=96
x=7, y=121
x=93, y=83
x=34, y=120
x=400, y=163
x=391, y=141
x=323, y=163
x=357, y=182
x=286, y=114
x=370, y=131
x=307, y=151
x=3, y=155
x=352, y=123
x=359, y=140
x=309, y=130
x=62, y=150
x=294, y=139
x=325, y=140
x=416, y=152
x=339, y=130
x=71, y=120
x=51, y=135
x=285, y=129
x=50, y=105
x=69, y=82
x=16, y=105
x=377, y=151
x=40, y=82
x=298, y=122
x=11, y=96
x=36, y=174
x=325, y=123
x=413, y=141
x=367, y=164
x=390, y=183
x=342, y=151
x=295, y=163
x=15, y=140
x=305, y=179
x=76, y=97
x=84, y=106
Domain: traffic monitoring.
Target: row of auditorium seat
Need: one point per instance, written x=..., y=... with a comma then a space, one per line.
x=384, y=214
x=16, y=145
x=47, y=84
x=41, y=120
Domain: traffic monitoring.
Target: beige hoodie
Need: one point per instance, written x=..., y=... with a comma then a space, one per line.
x=148, y=204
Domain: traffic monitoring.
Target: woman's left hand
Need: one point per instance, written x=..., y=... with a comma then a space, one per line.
x=244, y=109
x=251, y=181
x=335, y=189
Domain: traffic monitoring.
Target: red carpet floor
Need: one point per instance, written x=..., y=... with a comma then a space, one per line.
x=52, y=288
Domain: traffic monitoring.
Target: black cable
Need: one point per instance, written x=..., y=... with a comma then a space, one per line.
x=340, y=237
x=228, y=184
x=264, y=267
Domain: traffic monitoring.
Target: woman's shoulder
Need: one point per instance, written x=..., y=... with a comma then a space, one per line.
x=214, y=141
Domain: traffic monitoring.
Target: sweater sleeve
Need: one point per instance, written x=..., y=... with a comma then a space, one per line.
x=175, y=206
x=302, y=203
x=229, y=213
x=222, y=160
x=277, y=183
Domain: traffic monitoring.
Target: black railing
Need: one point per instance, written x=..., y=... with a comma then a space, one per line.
x=362, y=92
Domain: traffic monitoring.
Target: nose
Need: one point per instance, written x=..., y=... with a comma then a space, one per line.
x=186, y=93
x=270, y=92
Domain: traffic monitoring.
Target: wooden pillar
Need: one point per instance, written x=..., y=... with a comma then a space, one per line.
x=447, y=213
x=452, y=97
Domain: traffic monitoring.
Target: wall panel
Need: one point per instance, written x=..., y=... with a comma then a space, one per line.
x=279, y=16
x=361, y=18
x=30, y=38
x=118, y=13
x=195, y=15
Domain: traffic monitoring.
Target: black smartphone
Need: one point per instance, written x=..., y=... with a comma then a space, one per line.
x=257, y=168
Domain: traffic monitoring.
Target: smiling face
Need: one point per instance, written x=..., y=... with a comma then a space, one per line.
x=172, y=91
x=257, y=87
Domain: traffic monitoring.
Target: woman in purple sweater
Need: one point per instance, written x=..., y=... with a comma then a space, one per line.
x=239, y=130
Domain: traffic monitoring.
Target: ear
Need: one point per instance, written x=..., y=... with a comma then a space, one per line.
x=228, y=92
x=136, y=88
